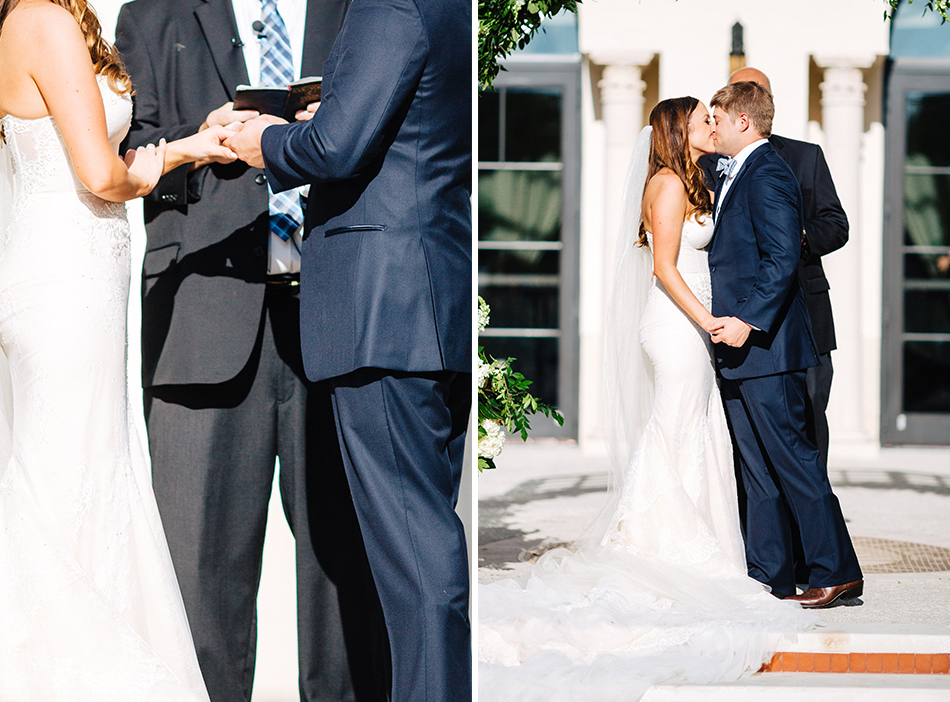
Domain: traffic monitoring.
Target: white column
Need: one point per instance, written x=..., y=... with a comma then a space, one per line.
x=621, y=91
x=842, y=102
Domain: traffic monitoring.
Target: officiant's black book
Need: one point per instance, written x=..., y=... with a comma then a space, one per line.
x=281, y=102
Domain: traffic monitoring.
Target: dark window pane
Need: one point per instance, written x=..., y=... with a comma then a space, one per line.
x=488, y=116
x=927, y=376
x=536, y=359
x=926, y=209
x=492, y=262
x=519, y=205
x=532, y=125
x=927, y=267
x=927, y=311
x=928, y=139
x=521, y=307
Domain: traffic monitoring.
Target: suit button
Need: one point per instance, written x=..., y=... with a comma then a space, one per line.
x=257, y=251
x=712, y=268
x=260, y=179
x=169, y=197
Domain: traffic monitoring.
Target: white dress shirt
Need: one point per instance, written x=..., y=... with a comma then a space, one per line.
x=740, y=158
x=283, y=256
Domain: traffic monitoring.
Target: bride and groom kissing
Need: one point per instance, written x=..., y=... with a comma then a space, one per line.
x=687, y=574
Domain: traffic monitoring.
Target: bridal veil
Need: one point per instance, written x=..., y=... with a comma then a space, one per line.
x=628, y=373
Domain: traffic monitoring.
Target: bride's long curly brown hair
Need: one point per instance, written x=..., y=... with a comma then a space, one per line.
x=669, y=148
x=104, y=56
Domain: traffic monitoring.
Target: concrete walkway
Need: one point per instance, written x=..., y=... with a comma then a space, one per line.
x=897, y=505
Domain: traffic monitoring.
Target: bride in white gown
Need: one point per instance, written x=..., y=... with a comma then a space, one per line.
x=89, y=603
x=656, y=588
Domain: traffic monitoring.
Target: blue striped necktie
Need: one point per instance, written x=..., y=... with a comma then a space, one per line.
x=277, y=71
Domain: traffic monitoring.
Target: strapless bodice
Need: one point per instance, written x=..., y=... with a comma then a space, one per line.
x=691, y=260
x=48, y=197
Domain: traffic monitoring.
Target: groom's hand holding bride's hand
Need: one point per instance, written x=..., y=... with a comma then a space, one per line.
x=246, y=142
x=207, y=146
x=733, y=332
x=224, y=116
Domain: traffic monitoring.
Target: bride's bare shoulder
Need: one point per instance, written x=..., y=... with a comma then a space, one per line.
x=40, y=23
x=666, y=179
x=42, y=50
x=665, y=185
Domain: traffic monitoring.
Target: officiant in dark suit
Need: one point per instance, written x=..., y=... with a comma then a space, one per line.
x=386, y=300
x=226, y=393
x=826, y=231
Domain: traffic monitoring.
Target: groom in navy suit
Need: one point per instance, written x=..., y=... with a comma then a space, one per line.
x=762, y=353
x=385, y=309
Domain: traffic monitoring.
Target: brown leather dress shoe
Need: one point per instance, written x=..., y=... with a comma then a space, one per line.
x=818, y=597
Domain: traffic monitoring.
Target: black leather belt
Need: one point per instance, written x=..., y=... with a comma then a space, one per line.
x=288, y=283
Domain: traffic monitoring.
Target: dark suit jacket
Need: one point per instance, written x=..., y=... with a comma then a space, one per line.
x=386, y=271
x=826, y=230
x=826, y=227
x=753, y=263
x=206, y=257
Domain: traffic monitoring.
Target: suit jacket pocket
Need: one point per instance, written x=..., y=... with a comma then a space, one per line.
x=817, y=285
x=356, y=228
x=160, y=259
x=730, y=210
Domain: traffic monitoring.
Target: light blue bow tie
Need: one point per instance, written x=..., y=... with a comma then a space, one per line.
x=726, y=164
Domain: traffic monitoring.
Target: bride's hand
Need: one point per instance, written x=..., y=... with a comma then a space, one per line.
x=734, y=332
x=146, y=163
x=715, y=325
x=207, y=146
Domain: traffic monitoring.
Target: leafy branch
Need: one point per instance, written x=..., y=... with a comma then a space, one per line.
x=941, y=7
x=503, y=401
x=504, y=25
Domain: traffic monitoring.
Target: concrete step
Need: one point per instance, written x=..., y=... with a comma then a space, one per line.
x=810, y=687
x=868, y=658
x=873, y=638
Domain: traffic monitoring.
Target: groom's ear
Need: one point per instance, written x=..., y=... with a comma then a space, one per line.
x=744, y=122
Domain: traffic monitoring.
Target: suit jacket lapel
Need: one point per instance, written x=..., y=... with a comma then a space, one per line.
x=735, y=181
x=719, y=183
x=216, y=19
x=323, y=17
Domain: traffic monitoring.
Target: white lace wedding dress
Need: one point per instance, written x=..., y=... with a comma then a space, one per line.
x=89, y=604
x=661, y=593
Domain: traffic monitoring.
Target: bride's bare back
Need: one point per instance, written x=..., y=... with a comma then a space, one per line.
x=46, y=70
x=32, y=27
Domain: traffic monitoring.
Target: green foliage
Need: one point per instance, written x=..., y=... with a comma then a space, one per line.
x=504, y=25
x=941, y=7
x=503, y=399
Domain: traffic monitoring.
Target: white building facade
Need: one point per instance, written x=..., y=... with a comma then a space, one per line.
x=836, y=82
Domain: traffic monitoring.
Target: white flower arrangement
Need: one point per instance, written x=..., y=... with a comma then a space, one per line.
x=492, y=441
x=503, y=401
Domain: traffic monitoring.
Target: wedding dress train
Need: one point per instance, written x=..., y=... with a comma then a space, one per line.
x=89, y=603
x=660, y=592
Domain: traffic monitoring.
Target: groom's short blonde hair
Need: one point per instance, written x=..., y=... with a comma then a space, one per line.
x=749, y=98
